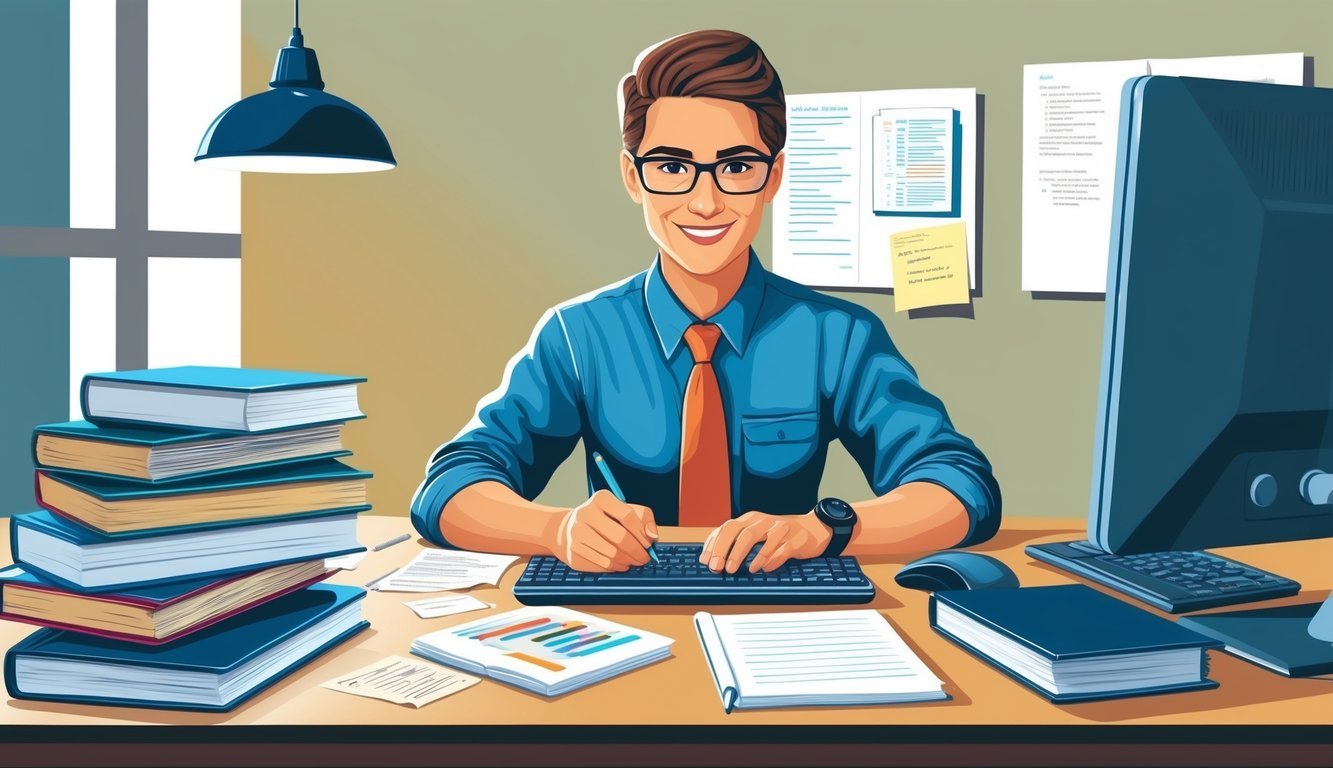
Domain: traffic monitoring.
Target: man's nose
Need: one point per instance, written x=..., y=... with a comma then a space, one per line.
x=706, y=199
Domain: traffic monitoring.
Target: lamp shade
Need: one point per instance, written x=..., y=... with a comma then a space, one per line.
x=295, y=127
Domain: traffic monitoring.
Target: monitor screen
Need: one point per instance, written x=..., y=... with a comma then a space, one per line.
x=1217, y=368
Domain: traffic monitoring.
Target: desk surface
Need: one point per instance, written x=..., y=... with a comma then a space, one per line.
x=679, y=691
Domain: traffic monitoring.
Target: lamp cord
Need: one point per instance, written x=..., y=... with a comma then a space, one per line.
x=296, y=13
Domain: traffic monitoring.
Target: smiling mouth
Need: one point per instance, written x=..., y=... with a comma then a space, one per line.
x=705, y=235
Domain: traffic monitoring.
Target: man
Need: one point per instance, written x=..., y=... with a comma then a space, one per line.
x=710, y=386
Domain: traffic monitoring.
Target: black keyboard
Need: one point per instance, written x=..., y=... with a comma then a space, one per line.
x=680, y=579
x=1176, y=582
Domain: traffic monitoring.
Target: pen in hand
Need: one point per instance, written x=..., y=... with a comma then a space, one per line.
x=614, y=487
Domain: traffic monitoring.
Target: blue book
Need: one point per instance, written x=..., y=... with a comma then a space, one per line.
x=79, y=558
x=118, y=506
x=154, y=454
x=215, y=669
x=230, y=399
x=1072, y=643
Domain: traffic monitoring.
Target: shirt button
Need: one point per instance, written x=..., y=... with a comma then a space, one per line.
x=782, y=435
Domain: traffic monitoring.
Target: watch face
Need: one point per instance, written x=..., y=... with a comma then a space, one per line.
x=838, y=509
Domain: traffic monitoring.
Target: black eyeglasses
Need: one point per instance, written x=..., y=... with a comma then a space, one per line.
x=742, y=175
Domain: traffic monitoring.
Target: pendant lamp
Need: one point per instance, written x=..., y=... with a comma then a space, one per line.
x=295, y=127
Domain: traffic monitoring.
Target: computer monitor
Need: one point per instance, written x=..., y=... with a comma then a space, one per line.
x=1213, y=421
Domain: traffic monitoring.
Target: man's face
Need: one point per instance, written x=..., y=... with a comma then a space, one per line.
x=704, y=229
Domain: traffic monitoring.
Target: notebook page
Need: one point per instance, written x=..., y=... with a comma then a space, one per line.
x=823, y=653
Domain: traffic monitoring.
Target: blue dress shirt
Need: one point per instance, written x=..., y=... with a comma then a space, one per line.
x=796, y=369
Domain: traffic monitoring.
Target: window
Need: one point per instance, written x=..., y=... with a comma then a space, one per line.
x=116, y=251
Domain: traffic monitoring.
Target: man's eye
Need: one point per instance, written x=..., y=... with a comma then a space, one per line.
x=735, y=166
x=672, y=168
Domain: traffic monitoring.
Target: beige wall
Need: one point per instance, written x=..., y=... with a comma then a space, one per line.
x=506, y=200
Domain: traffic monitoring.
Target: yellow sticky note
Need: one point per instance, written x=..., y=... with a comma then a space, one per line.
x=929, y=267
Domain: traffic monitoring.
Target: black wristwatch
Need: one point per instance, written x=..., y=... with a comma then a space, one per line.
x=839, y=516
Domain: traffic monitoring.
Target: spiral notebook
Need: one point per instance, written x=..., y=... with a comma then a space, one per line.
x=830, y=658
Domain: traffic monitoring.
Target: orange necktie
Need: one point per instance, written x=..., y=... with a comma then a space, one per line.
x=705, y=478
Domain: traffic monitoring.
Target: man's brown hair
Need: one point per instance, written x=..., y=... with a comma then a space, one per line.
x=714, y=63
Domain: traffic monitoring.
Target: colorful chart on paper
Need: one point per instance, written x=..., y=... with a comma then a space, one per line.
x=547, y=642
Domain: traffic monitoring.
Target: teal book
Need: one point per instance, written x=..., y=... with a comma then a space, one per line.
x=230, y=399
x=215, y=669
x=1071, y=643
x=79, y=558
x=1276, y=638
x=152, y=454
x=116, y=506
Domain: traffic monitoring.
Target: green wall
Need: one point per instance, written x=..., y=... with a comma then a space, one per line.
x=502, y=115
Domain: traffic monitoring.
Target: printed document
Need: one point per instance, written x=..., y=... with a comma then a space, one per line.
x=861, y=166
x=435, y=570
x=403, y=681
x=1071, y=122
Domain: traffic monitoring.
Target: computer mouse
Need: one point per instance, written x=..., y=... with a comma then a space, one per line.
x=944, y=571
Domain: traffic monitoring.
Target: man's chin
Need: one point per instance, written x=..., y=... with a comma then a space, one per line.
x=705, y=265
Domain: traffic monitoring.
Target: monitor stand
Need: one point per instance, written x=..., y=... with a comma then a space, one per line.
x=1292, y=640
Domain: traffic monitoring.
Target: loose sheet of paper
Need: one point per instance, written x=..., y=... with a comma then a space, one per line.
x=345, y=562
x=929, y=267
x=435, y=570
x=448, y=605
x=403, y=681
x=816, y=213
x=1071, y=125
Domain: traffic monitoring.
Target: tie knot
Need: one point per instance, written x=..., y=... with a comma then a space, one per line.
x=702, y=338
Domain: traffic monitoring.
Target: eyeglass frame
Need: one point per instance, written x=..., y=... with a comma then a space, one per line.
x=701, y=168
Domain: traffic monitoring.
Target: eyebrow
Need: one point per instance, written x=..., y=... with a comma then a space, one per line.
x=738, y=149
x=677, y=151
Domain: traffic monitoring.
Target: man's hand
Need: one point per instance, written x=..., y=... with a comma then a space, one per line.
x=784, y=537
x=604, y=534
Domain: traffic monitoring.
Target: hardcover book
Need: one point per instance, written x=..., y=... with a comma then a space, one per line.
x=1072, y=643
x=212, y=670
x=234, y=399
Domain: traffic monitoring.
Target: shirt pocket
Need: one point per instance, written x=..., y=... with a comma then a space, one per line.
x=776, y=446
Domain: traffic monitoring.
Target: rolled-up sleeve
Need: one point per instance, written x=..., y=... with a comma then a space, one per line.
x=521, y=432
x=900, y=433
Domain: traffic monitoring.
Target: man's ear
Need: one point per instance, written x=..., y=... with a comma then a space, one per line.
x=630, y=175
x=774, y=177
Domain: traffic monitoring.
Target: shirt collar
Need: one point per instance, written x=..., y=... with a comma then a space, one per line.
x=670, y=318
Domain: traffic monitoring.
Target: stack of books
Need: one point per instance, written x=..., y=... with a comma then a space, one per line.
x=183, y=530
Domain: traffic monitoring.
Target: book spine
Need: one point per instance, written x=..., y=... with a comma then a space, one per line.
x=11, y=678
x=14, y=539
x=715, y=653
x=83, y=396
x=982, y=620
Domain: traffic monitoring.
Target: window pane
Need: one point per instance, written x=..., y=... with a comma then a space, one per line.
x=34, y=361
x=194, y=72
x=92, y=114
x=34, y=114
x=92, y=322
x=194, y=312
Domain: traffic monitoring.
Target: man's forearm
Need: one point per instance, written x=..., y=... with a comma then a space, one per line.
x=915, y=517
x=490, y=517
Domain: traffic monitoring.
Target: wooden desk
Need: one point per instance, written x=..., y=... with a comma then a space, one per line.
x=673, y=705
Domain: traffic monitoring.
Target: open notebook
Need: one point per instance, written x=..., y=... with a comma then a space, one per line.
x=835, y=658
